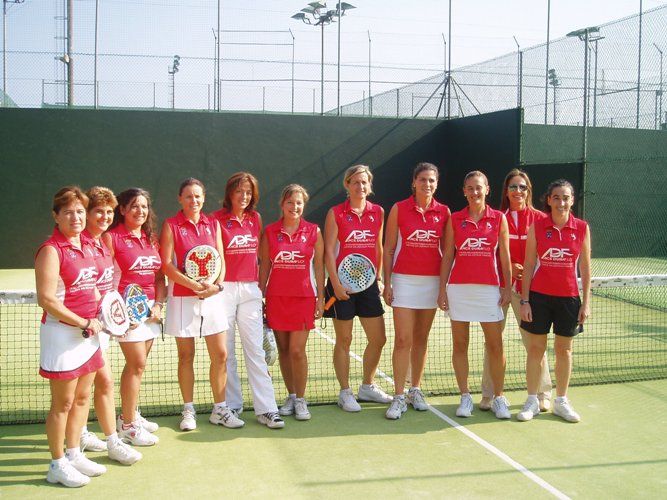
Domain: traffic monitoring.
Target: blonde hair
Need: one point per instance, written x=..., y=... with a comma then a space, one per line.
x=99, y=196
x=358, y=169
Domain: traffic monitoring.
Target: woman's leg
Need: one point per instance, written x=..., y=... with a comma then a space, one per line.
x=341, y=352
x=62, y=401
x=563, y=369
x=78, y=413
x=217, y=351
x=299, y=361
x=420, y=332
x=460, y=340
x=404, y=324
x=377, y=338
x=493, y=341
x=186, y=372
x=105, y=406
x=130, y=380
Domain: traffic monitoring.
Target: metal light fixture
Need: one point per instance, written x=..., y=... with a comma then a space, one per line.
x=316, y=14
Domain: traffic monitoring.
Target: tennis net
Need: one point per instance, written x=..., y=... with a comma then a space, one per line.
x=625, y=340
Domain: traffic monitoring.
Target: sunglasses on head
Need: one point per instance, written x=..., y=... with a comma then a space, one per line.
x=518, y=187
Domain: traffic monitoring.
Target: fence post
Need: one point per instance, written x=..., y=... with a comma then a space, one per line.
x=398, y=102
x=263, y=99
x=42, y=91
x=208, y=97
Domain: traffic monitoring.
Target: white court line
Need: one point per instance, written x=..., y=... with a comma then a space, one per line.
x=503, y=456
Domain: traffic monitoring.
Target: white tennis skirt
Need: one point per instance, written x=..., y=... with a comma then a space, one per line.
x=415, y=292
x=148, y=330
x=62, y=348
x=477, y=303
x=190, y=317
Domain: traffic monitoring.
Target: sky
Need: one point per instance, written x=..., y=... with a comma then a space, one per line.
x=406, y=40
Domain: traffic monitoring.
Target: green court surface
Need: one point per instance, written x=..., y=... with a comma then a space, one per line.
x=610, y=453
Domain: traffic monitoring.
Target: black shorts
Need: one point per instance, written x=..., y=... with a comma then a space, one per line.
x=562, y=312
x=366, y=304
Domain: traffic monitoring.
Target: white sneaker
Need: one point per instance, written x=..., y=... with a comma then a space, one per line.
x=236, y=411
x=89, y=441
x=271, y=419
x=501, y=407
x=188, y=420
x=136, y=435
x=397, y=408
x=287, y=408
x=347, y=402
x=545, y=402
x=123, y=453
x=146, y=424
x=465, y=407
x=66, y=475
x=564, y=410
x=416, y=399
x=301, y=409
x=87, y=467
x=373, y=393
x=531, y=408
x=222, y=415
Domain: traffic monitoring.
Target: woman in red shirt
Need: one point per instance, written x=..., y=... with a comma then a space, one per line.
x=291, y=277
x=557, y=247
x=474, y=238
x=517, y=205
x=66, y=276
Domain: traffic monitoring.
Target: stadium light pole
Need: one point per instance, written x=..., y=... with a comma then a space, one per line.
x=293, y=39
x=370, y=96
x=316, y=14
x=595, y=39
x=546, y=79
x=173, y=69
x=659, y=91
x=639, y=60
x=553, y=80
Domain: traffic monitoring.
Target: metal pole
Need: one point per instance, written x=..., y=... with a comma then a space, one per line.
x=398, y=102
x=449, y=62
x=520, y=78
x=518, y=73
x=322, y=74
x=97, y=6
x=290, y=32
x=661, y=91
x=639, y=60
x=4, y=53
x=215, y=70
x=263, y=99
x=370, y=96
x=217, y=58
x=585, y=117
x=546, y=70
x=554, y=104
x=585, y=123
x=70, y=60
x=338, y=86
x=313, y=101
x=595, y=87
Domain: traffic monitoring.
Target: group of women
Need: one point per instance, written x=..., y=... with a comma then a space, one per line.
x=472, y=264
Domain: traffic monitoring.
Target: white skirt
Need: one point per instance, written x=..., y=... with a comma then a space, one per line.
x=478, y=303
x=190, y=317
x=148, y=330
x=415, y=292
x=62, y=348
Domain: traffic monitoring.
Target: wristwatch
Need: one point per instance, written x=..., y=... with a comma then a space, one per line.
x=522, y=302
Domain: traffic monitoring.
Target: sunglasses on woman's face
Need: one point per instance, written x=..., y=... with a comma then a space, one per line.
x=518, y=187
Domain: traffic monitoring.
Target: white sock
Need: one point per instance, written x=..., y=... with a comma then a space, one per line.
x=220, y=406
x=415, y=387
x=84, y=429
x=112, y=438
x=60, y=462
x=560, y=399
x=532, y=397
x=72, y=453
x=292, y=396
x=189, y=406
x=366, y=386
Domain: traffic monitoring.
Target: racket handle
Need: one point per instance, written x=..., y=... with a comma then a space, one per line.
x=85, y=334
x=329, y=303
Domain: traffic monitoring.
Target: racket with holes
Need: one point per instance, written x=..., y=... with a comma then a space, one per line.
x=136, y=302
x=203, y=264
x=113, y=315
x=356, y=273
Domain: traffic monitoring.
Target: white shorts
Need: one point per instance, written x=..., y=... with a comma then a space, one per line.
x=415, y=292
x=148, y=330
x=62, y=348
x=190, y=317
x=474, y=303
x=105, y=340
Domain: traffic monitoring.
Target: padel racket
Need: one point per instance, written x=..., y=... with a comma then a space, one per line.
x=356, y=273
x=113, y=315
x=203, y=264
x=136, y=302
